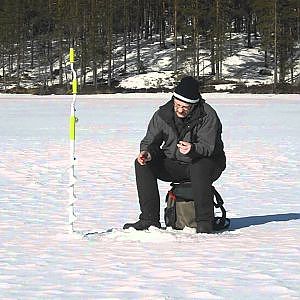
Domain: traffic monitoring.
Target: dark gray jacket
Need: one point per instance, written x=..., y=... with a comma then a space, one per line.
x=202, y=128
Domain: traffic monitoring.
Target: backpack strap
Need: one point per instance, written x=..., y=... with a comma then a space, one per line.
x=222, y=222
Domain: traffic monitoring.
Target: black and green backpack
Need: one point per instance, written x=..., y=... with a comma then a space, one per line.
x=180, y=210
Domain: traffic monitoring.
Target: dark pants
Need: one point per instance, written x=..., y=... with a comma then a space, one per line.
x=202, y=173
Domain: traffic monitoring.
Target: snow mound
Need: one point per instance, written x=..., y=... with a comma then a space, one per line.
x=152, y=235
x=149, y=80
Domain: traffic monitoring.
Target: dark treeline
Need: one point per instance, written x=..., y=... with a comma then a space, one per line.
x=36, y=34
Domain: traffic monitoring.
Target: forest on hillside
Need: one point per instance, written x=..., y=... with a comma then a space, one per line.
x=37, y=34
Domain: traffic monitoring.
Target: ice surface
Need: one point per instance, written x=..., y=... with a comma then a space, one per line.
x=259, y=258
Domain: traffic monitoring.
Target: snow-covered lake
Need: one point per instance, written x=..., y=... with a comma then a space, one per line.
x=258, y=258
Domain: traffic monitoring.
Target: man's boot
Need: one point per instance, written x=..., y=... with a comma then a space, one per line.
x=142, y=224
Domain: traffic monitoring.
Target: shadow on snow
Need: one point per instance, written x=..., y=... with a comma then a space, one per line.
x=238, y=223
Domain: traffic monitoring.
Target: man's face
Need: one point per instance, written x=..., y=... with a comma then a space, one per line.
x=181, y=108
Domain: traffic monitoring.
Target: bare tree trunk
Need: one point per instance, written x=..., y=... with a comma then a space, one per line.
x=11, y=63
x=138, y=45
x=175, y=35
x=194, y=47
x=138, y=37
x=81, y=66
x=125, y=29
x=212, y=55
x=217, y=41
x=196, y=40
x=93, y=29
x=197, y=55
x=292, y=65
x=109, y=37
x=162, y=25
x=249, y=19
x=230, y=41
x=3, y=69
x=49, y=58
x=266, y=59
x=298, y=24
x=18, y=64
x=95, y=73
x=60, y=61
x=4, y=80
x=31, y=52
x=147, y=20
x=275, y=47
x=83, y=51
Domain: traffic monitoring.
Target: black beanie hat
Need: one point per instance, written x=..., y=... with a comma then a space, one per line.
x=188, y=90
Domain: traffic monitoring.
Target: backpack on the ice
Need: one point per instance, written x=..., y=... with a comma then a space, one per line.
x=180, y=210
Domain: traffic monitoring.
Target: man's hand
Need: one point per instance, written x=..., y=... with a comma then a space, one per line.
x=143, y=157
x=184, y=147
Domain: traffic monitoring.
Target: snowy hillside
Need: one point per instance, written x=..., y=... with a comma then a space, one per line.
x=240, y=68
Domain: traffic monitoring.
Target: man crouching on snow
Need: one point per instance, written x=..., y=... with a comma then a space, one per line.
x=183, y=143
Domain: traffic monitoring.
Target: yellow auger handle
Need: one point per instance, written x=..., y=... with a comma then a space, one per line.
x=72, y=127
x=74, y=86
x=72, y=55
